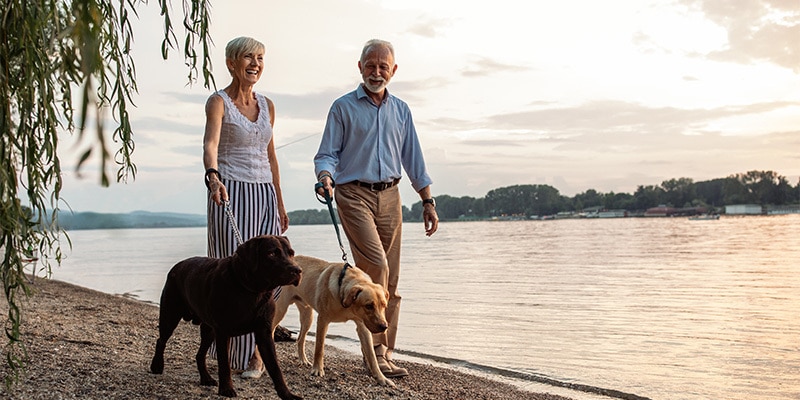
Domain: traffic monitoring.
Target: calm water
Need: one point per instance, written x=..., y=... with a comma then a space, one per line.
x=659, y=308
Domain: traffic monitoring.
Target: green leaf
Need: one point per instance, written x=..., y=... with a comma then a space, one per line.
x=52, y=54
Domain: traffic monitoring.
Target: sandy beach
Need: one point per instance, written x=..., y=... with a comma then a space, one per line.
x=86, y=344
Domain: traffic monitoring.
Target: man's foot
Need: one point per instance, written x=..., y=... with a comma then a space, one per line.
x=389, y=369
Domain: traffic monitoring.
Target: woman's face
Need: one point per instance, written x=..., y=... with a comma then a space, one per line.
x=248, y=67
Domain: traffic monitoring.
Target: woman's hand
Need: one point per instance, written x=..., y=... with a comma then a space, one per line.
x=284, y=221
x=218, y=191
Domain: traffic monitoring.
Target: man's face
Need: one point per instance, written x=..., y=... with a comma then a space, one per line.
x=377, y=69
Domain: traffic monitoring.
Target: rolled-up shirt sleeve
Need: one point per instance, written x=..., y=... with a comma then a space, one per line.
x=331, y=144
x=412, y=158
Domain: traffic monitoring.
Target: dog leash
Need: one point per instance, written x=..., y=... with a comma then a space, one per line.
x=327, y=200
x=239, y=239
x=232, y=221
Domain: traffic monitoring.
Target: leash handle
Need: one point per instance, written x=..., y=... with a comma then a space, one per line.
x=326, y=199
x=232, y=221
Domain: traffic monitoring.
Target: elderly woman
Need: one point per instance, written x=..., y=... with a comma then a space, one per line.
x=241, y=167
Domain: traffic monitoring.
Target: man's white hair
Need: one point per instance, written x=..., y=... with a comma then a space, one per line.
x=376, y=43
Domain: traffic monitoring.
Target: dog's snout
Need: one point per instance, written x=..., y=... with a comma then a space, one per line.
x=382, y=328
x=296, y=271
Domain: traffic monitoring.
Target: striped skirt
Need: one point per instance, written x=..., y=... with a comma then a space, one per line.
x=255, y=208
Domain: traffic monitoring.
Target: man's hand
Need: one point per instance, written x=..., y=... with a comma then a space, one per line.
x=327, y=185
x=430, y=219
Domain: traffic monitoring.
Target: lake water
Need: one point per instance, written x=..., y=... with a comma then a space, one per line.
x=658, y=308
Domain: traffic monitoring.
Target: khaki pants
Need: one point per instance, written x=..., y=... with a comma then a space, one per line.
x=373, y=223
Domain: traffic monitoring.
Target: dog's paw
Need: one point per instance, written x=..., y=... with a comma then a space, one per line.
x=320, y=372
x=209, y=381
x=306, y=362
x=290, y=396
x=227, y=392
x=157, y=366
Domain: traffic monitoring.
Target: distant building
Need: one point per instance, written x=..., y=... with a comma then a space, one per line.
x=612, y=214
x=783, y=209
x=744, y=209
x=660, y=211
x=664, y=211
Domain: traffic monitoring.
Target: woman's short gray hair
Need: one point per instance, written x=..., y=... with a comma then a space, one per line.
x=242, y=45
x=376, y=43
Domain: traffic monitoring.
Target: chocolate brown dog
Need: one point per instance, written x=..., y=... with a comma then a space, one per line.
x=228, y=297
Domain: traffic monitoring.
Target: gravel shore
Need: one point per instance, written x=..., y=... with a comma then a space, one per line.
x=84, y=344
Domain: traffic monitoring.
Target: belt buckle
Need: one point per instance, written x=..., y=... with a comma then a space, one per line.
x=378, y=186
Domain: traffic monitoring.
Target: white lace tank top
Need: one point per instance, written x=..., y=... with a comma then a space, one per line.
x=242, y=152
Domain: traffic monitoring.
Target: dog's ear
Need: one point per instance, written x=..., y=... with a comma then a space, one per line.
x=253, y=250
x=351, y=296
x=287, y=246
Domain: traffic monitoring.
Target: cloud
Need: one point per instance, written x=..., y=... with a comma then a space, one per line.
x=311, y=106
x=605, y=115
x=607, y=146
x=428, y=27
x=486, y=66
x=766, y=30
x=158, y=124
x=191, y=98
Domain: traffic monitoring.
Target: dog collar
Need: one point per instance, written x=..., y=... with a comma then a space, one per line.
x=341, y=274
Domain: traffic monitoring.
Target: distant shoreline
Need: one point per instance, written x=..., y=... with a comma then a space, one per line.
x=154, y=220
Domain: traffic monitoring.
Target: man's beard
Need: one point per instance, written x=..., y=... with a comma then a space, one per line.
x=375, y=88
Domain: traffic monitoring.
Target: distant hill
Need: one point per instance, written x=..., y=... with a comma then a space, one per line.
x=136, y=219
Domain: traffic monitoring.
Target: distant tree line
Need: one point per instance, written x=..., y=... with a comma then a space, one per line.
x=136, y=219
x=753, y=187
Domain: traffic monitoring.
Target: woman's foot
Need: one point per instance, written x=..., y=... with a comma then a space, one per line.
x=255, y=368
x=253, y=373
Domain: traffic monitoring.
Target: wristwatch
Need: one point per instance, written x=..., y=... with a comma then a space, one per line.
x=430, y=201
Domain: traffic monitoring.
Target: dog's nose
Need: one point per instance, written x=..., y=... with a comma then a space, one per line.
x=382, y=327
x=298, y=273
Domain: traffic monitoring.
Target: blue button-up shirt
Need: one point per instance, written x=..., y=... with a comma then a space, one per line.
x=371, y=143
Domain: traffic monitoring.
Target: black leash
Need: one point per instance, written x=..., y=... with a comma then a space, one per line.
x=326, y=199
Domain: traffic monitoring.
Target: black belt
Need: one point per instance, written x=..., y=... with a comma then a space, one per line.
x=377, y=186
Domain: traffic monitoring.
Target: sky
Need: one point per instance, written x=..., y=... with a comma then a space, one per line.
x=576, y=94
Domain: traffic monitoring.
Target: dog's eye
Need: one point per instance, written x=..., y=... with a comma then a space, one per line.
x=370, y=306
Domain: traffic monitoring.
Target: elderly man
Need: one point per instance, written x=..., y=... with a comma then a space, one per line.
x=369, y=139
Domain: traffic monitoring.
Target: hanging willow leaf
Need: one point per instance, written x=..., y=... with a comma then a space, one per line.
x=50, y=51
